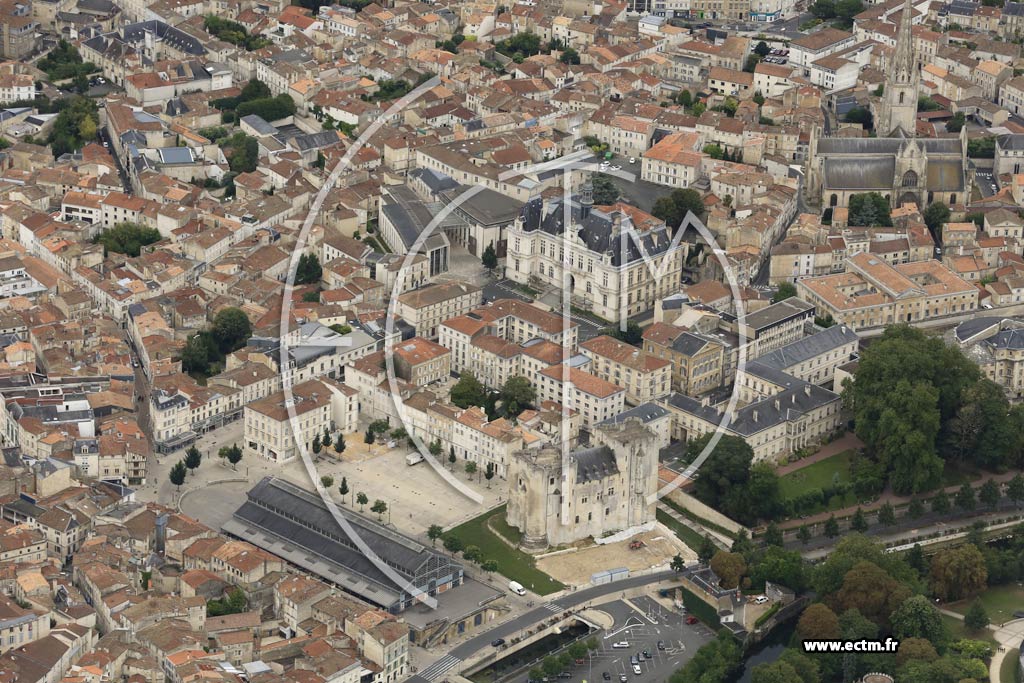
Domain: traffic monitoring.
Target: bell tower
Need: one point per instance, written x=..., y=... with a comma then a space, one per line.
x=899, y=100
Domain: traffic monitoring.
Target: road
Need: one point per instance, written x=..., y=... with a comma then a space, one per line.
x=102, y=136
x=985, y=183
x=462, y=652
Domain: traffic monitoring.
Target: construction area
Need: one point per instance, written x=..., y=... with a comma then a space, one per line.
x=650, y=549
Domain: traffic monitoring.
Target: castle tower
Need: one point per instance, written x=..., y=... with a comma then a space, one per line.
x=899, y=100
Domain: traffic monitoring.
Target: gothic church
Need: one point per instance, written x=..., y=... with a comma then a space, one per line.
x=897, y=165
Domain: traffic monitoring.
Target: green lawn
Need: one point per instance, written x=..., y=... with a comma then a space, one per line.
x=1008, y=671
x=959, y=632
x=1000, y=602
x=512, y=563
x=819, y=475
x=685, y=533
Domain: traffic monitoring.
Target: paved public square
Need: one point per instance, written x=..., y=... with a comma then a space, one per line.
x=416, y=495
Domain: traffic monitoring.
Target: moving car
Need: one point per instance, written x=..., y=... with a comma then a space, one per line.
x=622, y=678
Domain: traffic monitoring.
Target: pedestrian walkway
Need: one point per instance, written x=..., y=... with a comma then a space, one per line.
x=720, y=540
x=888, y=497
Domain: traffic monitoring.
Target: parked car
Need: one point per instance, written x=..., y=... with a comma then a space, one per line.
x=647, y=654
x=497, y=642
x=633, y=659
x=691, y=620
x=621, y=644
x=760, y=600
x=632, y=160
x=622, y=678
x=636, y=669
x=606, y=676
x=661, y=644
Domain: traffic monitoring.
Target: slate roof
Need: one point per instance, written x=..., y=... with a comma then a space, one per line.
x=796, y=398
x=945, y=175
x=301, y=521
x=646, y=412
x=437, y=182
x=596, y=229
x=1007, y=339
x=593, y=464
x=486, y=207
x=1013, y=142
x=970, y=328
x=809, y=347
x=187, y=43
x=873, y=173
x=884, y=146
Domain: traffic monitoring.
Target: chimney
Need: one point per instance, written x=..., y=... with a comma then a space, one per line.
x=807, y=389
x=755, y=416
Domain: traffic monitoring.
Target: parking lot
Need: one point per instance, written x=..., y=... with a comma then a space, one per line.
x=642, y=622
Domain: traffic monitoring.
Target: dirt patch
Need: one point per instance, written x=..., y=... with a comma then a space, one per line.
x=660, y=546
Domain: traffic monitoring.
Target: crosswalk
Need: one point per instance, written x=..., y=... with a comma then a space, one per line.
x=552, y=607
x=440, y=667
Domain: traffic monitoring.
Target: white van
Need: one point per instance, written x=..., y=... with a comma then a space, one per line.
x=516, y=588
x=413, y=459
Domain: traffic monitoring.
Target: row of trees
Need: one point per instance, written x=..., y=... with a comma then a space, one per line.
x=470, y=468
x=966, y=499
x=379, y=506
x=552, y=665
x=453, y=544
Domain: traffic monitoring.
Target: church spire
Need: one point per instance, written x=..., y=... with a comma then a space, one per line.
x=898, y=114
x=903, y=62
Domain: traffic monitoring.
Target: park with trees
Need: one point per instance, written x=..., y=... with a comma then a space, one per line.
x=860, y=591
